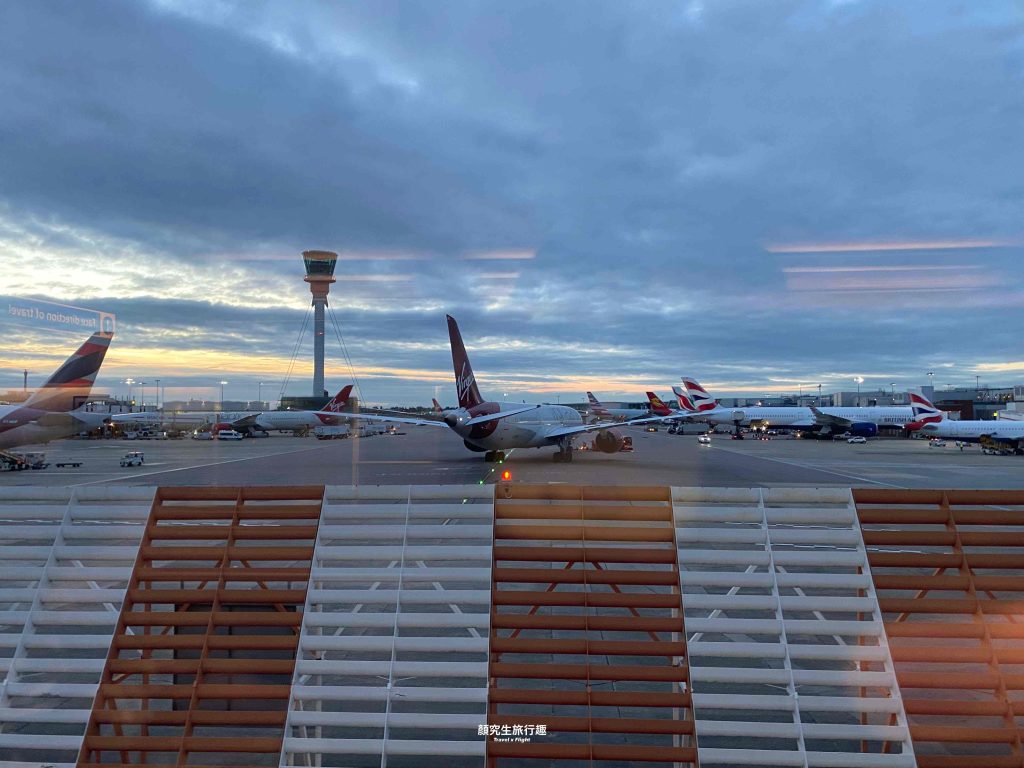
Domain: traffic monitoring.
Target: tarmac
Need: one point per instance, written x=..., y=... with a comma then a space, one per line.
x=433, y=456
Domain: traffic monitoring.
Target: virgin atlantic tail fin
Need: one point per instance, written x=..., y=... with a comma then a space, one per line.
x=465, y=381
x=339, y=401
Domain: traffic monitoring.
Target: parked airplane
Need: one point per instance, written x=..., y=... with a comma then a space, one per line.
x=1008, y=433
x=55, y=409
x=491, y=427
x=855, y=420
x=241, y=421
x=602, y=411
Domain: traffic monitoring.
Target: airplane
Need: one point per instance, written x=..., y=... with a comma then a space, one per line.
x=55, y=410
x=242, y=421
x=602, y=411
x=821, y=422
x=492, y=427
x=1005, y=434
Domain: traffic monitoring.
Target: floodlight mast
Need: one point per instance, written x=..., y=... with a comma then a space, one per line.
x=319, y=274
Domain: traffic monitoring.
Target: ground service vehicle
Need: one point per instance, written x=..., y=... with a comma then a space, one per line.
x=857, y=439
x=229, y=434
x=133, y=459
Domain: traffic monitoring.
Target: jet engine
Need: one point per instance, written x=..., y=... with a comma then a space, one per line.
x=863, y=428
x=609, y=441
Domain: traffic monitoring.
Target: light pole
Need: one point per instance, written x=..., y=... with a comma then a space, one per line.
x=158, y=397
x=222, y=396
x=819, y=395
x=859, y=380
x=259, y=395
x=892, y=385
x=142, y=397
x=129, y=382
x=931, y=381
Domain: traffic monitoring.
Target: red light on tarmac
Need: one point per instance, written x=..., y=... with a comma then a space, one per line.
x=506, y=475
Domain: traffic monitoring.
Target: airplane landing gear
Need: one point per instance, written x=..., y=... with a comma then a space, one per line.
x=493, y=457
x=564, y=453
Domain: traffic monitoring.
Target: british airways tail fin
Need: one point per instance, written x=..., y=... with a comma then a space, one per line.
x=924, y=411
x=684, y=400
x=700, y=397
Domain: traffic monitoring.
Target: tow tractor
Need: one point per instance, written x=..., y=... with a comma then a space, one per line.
x=18, y=461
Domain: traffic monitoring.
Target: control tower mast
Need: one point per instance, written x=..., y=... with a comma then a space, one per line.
x=319, y=274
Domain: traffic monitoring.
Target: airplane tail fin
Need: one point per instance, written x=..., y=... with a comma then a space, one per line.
x=684, y=399
x=465, y=381
x=595, y=404
x=69, y=387
x=339, y=401
x=924, y=411
x=700, y=397
x=658, y=407
x=437, y=405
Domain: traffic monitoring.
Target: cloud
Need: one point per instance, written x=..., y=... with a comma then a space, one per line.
x=604, y=194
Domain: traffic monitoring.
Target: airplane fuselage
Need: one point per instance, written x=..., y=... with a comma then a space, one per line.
x=973, y=430
x=797, y=417
x=22, y=425
x=522, y=430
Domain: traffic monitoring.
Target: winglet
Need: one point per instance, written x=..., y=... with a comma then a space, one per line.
x=465, y=381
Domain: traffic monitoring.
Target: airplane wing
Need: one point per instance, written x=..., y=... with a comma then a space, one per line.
x=331, y=416
x=565, y=431
x=499, y=415
x=828, y=420
x=250, y=420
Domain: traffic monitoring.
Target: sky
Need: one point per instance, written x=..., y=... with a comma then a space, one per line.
x=606, y=195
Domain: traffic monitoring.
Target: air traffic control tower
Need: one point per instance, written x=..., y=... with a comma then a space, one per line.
x=319, y=274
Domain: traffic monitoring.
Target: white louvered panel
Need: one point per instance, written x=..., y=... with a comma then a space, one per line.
x=782, y=618
x=394, y=642
x=67, y=562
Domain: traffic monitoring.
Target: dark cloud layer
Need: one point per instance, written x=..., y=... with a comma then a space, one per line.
x=646, y=152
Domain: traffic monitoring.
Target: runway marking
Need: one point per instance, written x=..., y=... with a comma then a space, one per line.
x=194, y=466
x=400, y=461
x=813, y=469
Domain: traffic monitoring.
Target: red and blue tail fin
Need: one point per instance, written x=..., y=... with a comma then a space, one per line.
x=685, y=403
x=702, y=401
x=924, y=411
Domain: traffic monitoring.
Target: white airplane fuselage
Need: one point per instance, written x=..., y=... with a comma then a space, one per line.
x=973, y=430
x=522, y=430
x=800, y=416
